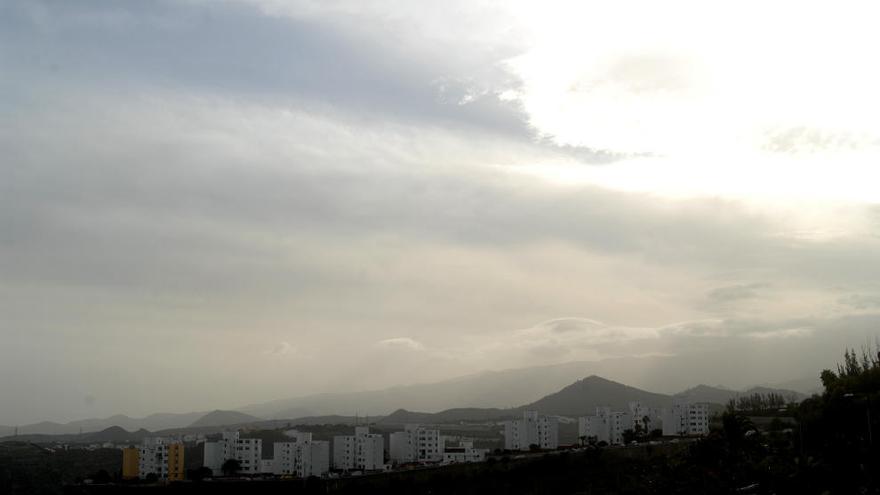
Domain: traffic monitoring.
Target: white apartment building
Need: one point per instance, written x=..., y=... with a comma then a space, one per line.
x=314, y=459
x=153, y=458
x=686, y=418
x=416, y=444
x=248, y=451
x=645, y=417
x=302, y=456
x=464, y=452
x=605, y=426
x=362, y=451
x=533, y=429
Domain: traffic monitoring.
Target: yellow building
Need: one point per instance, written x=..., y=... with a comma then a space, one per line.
x=130, y=462
x=176, y=470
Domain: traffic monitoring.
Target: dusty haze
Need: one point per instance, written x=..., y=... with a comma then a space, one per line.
x=210, y=204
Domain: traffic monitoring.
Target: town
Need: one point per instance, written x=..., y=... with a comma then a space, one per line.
x=300, y=455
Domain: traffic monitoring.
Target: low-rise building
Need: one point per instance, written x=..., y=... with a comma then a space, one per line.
x=464, y=452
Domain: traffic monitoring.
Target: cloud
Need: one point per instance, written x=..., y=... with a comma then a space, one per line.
x=401, y=343
x=861, y=301
x=282, y=349
x=274, y=60
x=188, y=178
x=734, y=292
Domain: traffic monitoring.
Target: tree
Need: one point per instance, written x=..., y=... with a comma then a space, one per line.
x=102, y=477
x=231, y=467
x=629, y=436
x=199, y=474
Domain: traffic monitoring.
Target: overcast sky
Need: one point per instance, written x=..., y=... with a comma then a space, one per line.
x=205, y=204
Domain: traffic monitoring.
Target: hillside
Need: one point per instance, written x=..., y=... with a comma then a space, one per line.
x=490, y=389
x=510, y=388
x=583, y=396
x=153, y=422
x=223, y=418
x=718, y=395
x=468, y=414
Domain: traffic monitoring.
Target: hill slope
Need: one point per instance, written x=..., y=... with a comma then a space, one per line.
x=223, y=418
x=490, y=389
x=718, y=395
x=584, y=396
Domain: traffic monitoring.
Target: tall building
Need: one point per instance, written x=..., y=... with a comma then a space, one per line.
x=686, y=418
x=533, y=429
x=248, y=451
x=162, y=457
x=416, y=444
x=301, y=456
x=130, y=463
x=363, y=451
x=605, y=426
x=645, y=418
x=176, y=466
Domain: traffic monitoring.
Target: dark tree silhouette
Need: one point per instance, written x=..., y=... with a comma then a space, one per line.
x=231, y=467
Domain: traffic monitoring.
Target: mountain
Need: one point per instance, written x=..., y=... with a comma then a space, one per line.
x=403, y=417
x=705, y=393
x=116, y=434
x=584, y=396
x=577, y=399
x=502, y=390
x=223, y=418
x=513, y=387
x=153, y=422
x=489, y=389
x=719, y=395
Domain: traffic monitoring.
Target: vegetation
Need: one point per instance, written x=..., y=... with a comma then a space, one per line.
x=231, y=467
x=758, y=403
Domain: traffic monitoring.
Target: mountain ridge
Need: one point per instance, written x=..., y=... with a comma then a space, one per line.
x=494, y=389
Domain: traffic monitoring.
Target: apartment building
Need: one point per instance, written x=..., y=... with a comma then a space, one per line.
x=162, y=457
x=533, y=429
x=605, y=426
x=686, y=418
x=362, y=451
x=301, y=456
x=464, y=452
x=248, y=451
x=416, y=444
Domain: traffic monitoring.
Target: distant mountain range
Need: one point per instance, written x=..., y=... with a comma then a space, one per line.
x=153, y=422
x=223, y=418
x=482, y=396
x=503, y=389
x=579, y=399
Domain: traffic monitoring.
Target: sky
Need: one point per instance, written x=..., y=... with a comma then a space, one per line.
x=206, y=204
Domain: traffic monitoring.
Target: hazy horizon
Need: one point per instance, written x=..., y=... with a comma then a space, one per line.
x=210, y=204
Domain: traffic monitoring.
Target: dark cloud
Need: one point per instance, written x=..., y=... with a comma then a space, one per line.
x=236, y=51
